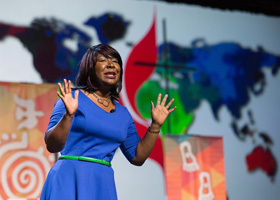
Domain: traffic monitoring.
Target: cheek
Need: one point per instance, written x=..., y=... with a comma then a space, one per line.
x=119, y=69
x=119, y=74
x=99, y=70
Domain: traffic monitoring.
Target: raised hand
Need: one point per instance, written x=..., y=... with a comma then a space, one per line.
x=70, y=103
x=147, y=143
x=161, y=112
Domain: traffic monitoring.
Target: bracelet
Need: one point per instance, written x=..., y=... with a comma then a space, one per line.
x=149, y=129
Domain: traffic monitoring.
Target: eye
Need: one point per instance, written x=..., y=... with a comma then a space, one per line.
x=101, y=59
x=115, y=61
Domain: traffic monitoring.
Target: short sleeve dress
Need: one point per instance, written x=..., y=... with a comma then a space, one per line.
x=97, y=134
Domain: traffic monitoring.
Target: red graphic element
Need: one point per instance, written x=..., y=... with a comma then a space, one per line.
x=145, y=51
x=135, y=75
x=263, y=159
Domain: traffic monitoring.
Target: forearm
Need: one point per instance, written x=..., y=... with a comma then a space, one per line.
x=56, y=136
x=146, y=145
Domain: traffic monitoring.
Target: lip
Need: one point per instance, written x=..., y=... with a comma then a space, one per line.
x=110, y=74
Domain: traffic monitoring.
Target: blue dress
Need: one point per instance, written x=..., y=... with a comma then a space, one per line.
x=97, y=134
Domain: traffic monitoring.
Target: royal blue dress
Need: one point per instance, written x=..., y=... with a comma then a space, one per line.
x=97, y=134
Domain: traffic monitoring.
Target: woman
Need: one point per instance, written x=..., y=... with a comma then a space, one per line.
x=88, y=125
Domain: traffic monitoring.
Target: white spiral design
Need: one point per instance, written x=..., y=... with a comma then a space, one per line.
x=27, y=176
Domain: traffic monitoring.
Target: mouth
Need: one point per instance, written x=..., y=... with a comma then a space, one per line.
x=110, y=75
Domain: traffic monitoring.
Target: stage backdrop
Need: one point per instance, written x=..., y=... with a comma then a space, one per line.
x=232, y=90
x=25, y=110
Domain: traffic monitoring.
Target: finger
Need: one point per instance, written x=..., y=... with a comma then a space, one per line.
x=76, y=94
x=158, y=99
x=58, y=94
x=69, y=86
x=169, y=104
x=152, y=106
x=65, y=86
x=61, y=89
x=171, y=110
x=164, y=100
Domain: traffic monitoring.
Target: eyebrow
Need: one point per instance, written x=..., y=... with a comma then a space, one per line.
x=111, y=57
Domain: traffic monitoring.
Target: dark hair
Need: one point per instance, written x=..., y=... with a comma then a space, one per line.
x=86, y=78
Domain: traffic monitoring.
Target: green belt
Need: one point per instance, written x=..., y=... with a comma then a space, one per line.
x=103, y=162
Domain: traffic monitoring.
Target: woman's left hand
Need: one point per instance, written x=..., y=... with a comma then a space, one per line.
x=161, y=112
x=147, y=143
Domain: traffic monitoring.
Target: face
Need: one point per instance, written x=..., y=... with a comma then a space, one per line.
x=107, y=70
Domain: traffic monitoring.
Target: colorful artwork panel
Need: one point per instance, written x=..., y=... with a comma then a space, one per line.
x=25, y=110
x=194, y=167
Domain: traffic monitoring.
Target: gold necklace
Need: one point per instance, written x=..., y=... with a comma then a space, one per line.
x=106, y=102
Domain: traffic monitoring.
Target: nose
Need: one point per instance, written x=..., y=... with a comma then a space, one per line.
x=110, y=63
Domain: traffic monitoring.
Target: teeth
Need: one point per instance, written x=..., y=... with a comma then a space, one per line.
x=110, y=74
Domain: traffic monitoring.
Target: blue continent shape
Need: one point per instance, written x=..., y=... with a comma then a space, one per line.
x=45, y=40
x=109, y=27
x=225, y=74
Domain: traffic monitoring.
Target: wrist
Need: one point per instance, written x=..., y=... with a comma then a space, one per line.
x=154, y=128
x=155, y=125
x=68, y=116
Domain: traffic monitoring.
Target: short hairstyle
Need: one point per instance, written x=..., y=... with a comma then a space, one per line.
x=86, y=78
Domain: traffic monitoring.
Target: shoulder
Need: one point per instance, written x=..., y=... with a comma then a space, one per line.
x=120, y=106
x=81, y=95
x=122, y=109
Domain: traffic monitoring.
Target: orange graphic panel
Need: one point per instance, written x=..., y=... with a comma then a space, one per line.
x=25, y=110
x=194, y=167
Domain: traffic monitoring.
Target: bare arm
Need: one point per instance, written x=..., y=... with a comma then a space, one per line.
x=56, y=136
x=159, y=115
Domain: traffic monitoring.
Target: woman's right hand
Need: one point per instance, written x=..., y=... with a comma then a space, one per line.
x=70, y=103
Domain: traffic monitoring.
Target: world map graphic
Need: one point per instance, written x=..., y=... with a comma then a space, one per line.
x=224, y=74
